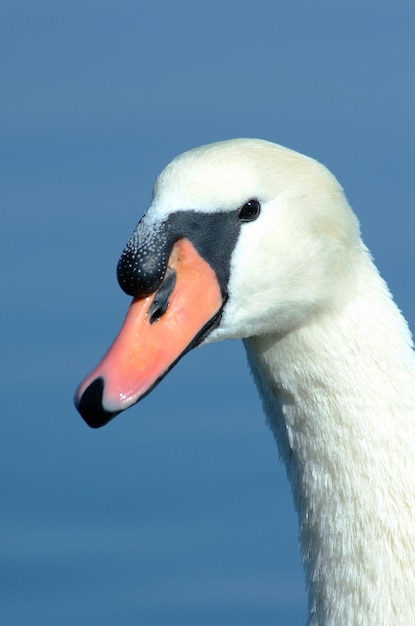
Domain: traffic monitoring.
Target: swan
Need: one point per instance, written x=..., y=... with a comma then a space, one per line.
x=250, y=240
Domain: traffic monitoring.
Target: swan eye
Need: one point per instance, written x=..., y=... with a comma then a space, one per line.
x=249, y=211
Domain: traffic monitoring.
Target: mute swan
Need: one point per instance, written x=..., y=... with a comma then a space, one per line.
x=247, y=239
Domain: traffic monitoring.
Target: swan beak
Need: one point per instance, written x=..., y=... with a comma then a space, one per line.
x=159, y=328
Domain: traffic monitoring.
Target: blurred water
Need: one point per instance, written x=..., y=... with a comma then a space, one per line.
x=178, y=512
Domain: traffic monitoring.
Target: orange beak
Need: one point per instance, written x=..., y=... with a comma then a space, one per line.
x=152, y=339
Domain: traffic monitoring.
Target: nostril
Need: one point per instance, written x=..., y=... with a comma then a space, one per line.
x=162, y=297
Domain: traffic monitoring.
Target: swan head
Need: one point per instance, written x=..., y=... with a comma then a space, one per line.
x=242, y=238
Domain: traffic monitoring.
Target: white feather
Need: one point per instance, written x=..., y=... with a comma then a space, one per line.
x=332, y=357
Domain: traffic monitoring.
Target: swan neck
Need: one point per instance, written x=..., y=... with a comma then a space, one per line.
x=339, y=394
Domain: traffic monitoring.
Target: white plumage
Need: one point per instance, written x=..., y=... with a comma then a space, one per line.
x=246, y=239
x=332, y=357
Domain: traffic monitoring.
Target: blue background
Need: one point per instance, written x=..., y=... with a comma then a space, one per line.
x=178, y=512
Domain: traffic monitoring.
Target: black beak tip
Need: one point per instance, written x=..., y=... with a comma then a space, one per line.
x=90, y=406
